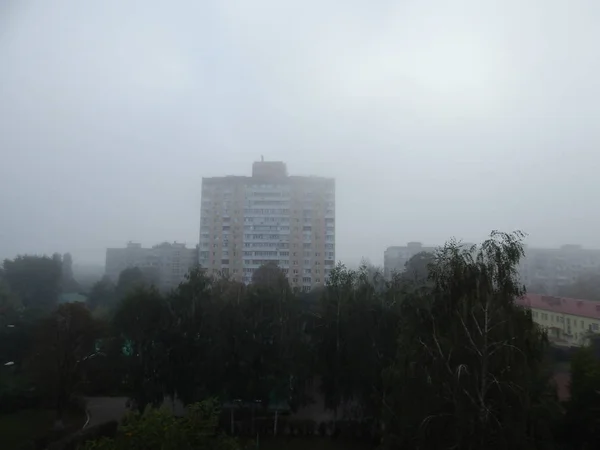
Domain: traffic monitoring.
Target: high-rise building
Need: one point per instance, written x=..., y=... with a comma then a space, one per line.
x=269, y=217
x=168, y=263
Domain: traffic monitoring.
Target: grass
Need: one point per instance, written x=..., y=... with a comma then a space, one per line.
x=18, y=428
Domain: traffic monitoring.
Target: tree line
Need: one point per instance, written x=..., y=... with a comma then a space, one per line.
x=440, y=356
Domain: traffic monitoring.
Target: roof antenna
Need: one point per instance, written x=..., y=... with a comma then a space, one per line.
x=262, y=158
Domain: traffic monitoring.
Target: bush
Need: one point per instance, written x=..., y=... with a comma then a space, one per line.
x=159, y=429
x=104, y=431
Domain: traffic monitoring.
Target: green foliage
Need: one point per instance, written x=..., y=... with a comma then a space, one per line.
x=159, y=429
x=438, y=357
x=354, y=337
x=63, y=344
x=469, y=360
x=140, y=321
x=102, y=294
x=132, y=279
x=35, y=280
x=418, y=268
x=582, y=424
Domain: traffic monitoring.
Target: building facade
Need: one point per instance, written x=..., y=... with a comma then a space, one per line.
x=546, y=270
x=568, y=321
x=395, y=258
x=168, y=262
x=269, y=217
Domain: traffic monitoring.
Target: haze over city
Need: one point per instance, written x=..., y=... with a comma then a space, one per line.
x=436, y=119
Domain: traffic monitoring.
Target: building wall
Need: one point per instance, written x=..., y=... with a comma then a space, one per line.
x=171, y=262
x=568, y=321
x=268, y=217
x=565, y=329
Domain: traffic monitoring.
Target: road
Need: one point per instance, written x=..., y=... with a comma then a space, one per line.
x=105, y=409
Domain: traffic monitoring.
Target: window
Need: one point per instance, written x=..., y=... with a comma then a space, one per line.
x=595, y=327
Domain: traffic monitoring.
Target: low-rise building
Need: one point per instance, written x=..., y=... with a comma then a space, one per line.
x=170, y=262
x=568, y=321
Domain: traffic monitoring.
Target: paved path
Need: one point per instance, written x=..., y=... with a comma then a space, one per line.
x=105, y=409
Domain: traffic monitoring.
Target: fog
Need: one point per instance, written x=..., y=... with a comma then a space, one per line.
x=436, y=118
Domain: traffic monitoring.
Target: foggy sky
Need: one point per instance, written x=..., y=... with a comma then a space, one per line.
x=437, y=118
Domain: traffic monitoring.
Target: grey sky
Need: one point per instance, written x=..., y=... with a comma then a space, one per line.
x=437, y=118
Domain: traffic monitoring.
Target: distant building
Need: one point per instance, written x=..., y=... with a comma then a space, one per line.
x=248, y=221
x=568, y=321
x=546, y=270
x=395, y=258
x=170, y=262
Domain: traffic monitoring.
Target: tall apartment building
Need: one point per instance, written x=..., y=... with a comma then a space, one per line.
x=269, y=217
x=546, y=270
x=168, y=262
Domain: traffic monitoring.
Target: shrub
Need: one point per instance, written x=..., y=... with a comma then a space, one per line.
x=159, y=429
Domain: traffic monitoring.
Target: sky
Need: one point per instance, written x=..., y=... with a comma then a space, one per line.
x=437, y=119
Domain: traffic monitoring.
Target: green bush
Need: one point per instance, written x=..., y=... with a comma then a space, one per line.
x=159, y=429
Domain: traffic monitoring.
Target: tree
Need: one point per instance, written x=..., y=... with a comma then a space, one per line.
x=469, y=370
x=418, y=267
x=35, y=280
x=63, y=344
x=354, y=338
x=102, y=294
x=68, y=283
x=582, y=420
x=140, y=321
x=133, y=278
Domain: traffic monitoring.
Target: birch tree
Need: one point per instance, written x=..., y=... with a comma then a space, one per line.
x=468, y=356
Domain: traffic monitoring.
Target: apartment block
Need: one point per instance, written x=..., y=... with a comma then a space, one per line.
x=569, y=322
x=546, y=270
x=168, y=262
x=269, y=217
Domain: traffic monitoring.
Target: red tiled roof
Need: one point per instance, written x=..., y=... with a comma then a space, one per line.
x=562, y=305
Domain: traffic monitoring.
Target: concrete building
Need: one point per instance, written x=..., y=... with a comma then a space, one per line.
x=395, y=258
x=170, y=262
x=248, y=221
x=568, y=321
x=546, y=270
